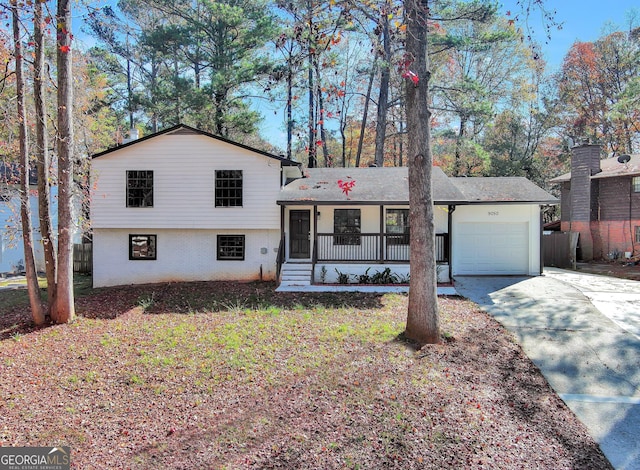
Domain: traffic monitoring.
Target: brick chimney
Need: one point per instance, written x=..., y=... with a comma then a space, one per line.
x=585, y=162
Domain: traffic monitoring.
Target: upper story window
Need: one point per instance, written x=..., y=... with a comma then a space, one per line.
x=139, y=188
x=228, y=188
x=635, y=184
x=397, y=223
x=346, y=221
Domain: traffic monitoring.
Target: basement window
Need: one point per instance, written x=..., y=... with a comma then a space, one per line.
x=142, y=247
x=230, y=247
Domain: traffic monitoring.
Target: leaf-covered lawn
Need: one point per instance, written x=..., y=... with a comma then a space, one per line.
x=221, y=375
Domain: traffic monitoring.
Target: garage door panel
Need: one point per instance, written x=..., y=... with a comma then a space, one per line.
x=485, y=248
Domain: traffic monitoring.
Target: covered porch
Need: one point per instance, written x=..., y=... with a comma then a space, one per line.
x=324, y=244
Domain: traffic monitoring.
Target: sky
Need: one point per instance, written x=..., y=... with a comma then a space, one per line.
x=582, y=20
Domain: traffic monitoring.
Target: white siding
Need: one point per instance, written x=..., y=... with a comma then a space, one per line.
x=182, y=255
x=496, y=239
x=184, y=174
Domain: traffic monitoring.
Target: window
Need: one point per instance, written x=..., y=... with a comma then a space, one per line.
x=398, y=226
x=142, y=247
x=346, y=221
x=228, y=188
x=637, y=233
x=635, y=184
x=139, y=188
x=231, y=247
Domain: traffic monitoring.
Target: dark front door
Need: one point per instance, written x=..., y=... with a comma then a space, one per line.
x=299, y=226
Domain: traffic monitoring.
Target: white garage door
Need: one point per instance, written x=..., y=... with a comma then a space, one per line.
x=495, y=248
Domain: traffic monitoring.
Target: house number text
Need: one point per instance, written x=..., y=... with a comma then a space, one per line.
x=493, y=213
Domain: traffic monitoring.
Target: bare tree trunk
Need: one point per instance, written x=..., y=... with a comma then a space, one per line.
x=25, y=208
x=43, y=161
x=423, y=325
x=457, y=163
x=64, y=310
x=289, y=110
x=363, y=125
x=383, y=95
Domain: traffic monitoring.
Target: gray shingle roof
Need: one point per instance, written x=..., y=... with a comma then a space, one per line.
x=502, y=189
x=391, y=186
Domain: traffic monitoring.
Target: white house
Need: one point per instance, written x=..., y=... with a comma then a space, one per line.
x=483, y=225
x=185, y=205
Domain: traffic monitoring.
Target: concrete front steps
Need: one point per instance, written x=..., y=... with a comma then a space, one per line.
x=295, y=275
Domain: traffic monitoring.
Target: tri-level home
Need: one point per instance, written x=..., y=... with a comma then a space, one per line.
x=184, y=205
x=600, y=199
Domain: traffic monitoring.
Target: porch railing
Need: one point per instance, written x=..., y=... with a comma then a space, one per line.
x=371, y=247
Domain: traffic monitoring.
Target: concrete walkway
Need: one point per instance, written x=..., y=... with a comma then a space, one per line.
x=561, y=319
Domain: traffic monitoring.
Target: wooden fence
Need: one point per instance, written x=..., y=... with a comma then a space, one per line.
x=559, y=249
x=83, y=258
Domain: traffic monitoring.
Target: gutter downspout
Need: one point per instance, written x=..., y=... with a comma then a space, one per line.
x=450, y=212
x=314, y=252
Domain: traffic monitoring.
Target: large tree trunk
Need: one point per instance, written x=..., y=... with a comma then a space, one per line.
x=42, y=152
x=423, y=325
x=64, y=310
x=25, y=208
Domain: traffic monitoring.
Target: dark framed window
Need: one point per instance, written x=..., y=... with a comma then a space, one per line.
x=346, y=221
x=142, y=247
x=397, y=226
x=230, y=247
x=635, y=184
x=139, y=188
x=228, y=188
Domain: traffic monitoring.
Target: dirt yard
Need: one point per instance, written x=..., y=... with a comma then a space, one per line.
x=217, y=375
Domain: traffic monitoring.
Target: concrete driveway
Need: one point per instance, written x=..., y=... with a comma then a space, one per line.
x=583, y=332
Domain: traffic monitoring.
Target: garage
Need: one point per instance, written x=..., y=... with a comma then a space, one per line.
x=491, y=248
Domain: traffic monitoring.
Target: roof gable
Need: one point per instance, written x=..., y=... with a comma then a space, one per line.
x=183, y=129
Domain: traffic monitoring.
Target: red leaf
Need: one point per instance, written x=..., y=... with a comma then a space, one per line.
x=65, y=49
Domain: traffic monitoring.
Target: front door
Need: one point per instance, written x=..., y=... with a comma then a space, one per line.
x=299, y=226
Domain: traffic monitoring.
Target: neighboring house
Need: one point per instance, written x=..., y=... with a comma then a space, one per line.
x=185, y=205
x=483, y=226
x=600, y=199
x=11, y=244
